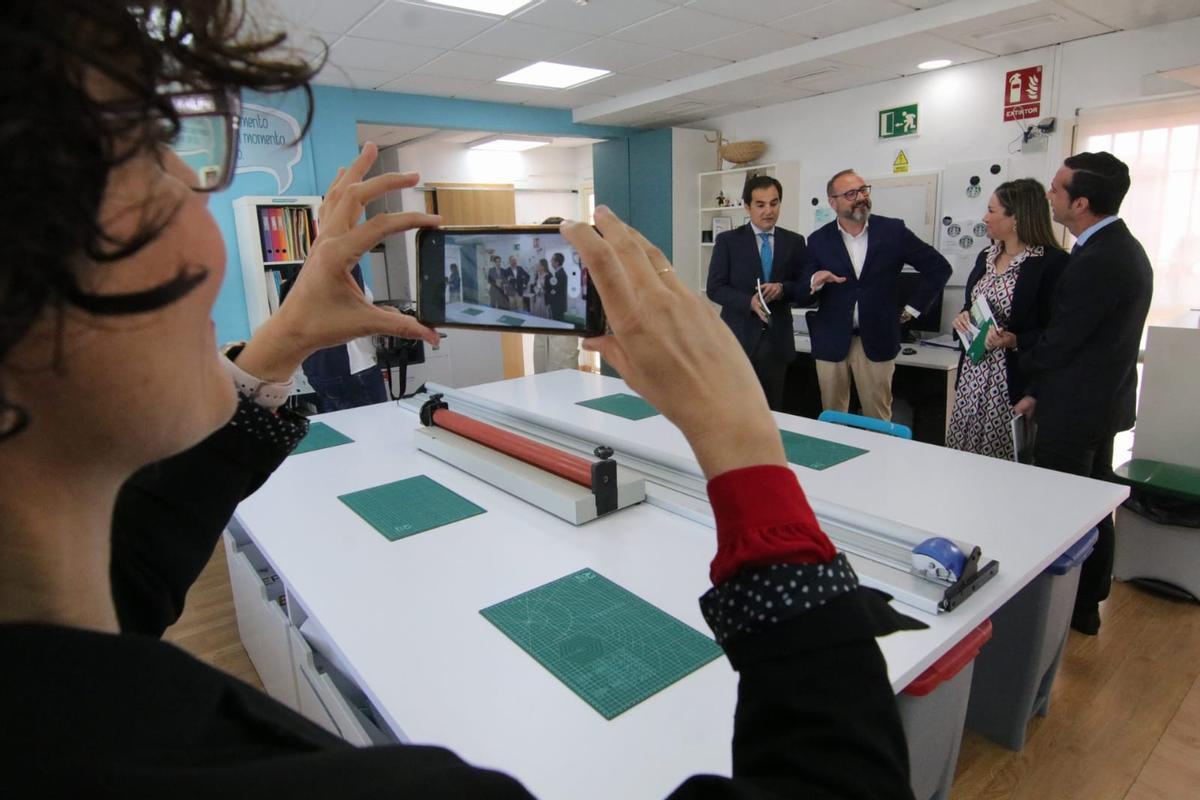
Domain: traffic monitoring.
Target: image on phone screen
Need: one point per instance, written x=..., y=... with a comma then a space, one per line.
x=530, y=280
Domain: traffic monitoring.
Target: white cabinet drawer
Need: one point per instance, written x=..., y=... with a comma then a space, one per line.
x=262, y=625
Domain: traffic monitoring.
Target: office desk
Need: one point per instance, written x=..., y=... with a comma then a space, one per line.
x=403, y=618
x=925, y=379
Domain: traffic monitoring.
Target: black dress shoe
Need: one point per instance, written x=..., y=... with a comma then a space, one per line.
x=1086, y=620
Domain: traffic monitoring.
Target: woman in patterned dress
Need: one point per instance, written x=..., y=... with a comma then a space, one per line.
x=1017, y=275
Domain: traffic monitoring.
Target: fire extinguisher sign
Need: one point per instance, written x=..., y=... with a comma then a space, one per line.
x=1023, y=94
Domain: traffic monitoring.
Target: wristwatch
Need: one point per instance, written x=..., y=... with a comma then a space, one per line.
x=264, y=393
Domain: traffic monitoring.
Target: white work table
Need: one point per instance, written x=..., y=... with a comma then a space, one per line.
x=403, y=617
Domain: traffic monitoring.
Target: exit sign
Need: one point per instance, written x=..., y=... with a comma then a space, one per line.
x=897, y=122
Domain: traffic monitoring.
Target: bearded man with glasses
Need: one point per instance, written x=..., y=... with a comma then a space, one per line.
x=851, y=269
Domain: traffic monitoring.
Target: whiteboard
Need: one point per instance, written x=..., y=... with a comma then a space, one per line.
x=912, y=198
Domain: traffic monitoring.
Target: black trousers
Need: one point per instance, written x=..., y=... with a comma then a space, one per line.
x=771, y=369
x=1091, y=460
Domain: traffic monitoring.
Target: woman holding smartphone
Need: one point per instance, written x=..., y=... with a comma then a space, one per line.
x=108, y=363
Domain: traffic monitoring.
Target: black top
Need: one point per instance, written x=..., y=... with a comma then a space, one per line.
x=1033, y=300
x=1085, y=363
x=89, y=714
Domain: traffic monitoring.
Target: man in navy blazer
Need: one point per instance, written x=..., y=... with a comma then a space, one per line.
x=851, y=269
x=754, y=263
x=1083, y=370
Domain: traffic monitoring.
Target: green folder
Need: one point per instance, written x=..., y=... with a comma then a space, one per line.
x=814, y=453
x=508, y=319
x=472, y=312
x=629, y=406
x=319, y=437
x=403, y=508
x=608, y=645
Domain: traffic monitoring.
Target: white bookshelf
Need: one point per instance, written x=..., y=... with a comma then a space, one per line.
x=257, y=265
x=729, y=182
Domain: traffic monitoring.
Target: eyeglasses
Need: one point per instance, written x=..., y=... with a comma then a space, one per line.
x=207, y=139
x=851, y=195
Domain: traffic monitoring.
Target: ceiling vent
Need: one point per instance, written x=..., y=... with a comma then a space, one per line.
x=808, y=76
x=1019, y=26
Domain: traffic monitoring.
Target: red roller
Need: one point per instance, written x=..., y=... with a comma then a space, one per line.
x=564, y=465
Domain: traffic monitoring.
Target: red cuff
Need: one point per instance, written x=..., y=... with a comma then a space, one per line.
x=763, y=518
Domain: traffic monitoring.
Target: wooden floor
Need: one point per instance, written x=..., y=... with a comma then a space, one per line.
x=1124, y=720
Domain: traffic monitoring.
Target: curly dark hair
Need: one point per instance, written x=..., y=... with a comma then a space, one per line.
x=58, y=142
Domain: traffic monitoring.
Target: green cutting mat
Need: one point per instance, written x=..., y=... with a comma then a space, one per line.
x=608, y=645
x=508, y=319
x=472, y=312
x=319, y=437
x=624, y=405
x=413, y=505
x=809, y=451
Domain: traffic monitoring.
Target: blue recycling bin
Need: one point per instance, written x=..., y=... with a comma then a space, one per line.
x=1013, y=678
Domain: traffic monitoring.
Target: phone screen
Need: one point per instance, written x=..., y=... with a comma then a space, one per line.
x=527, y=279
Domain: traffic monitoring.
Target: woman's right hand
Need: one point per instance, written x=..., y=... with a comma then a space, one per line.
x=673, y=349
x=962, y=322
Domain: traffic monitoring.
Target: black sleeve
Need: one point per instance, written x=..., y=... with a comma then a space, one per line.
x=934, y=268
x=719, y=288
x=169, y=515
x=973, y=278
x=797, y=291
x=1052, y=266
x=1082, y=302
x=816, y=715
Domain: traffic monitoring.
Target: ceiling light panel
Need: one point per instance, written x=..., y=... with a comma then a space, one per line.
x=500, y=8
x=549, y=75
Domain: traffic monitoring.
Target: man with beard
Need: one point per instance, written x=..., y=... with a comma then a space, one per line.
x=851, y=268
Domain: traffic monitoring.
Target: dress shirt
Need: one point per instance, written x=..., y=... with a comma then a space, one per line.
x=1083, y=237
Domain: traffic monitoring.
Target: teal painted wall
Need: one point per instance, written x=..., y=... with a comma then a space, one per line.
x=332, y=142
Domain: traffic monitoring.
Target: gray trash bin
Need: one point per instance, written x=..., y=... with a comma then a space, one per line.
x=1013, y=678
x=932, y=709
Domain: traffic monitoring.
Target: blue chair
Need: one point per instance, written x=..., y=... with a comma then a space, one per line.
x=866, y=423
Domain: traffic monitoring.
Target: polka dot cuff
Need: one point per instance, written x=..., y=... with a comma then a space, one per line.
x=282, y=429
x=755, y=599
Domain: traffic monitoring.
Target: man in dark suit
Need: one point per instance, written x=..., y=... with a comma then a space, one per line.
x=760, y=254
x=852, y=268
x=1084, y=368
x=557, y=293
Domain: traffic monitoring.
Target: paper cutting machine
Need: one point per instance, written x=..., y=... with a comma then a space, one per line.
x=564, y=484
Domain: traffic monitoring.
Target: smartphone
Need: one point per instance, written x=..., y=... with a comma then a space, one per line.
x=518, y=278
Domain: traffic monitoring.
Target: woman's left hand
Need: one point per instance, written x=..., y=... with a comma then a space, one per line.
x=326, y=307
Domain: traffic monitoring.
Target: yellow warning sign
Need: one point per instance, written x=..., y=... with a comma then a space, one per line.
x=900, y=164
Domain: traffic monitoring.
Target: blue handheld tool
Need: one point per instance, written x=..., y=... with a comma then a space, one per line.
x=940, y=559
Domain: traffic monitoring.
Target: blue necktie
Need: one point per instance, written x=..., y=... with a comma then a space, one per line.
x=765, y=255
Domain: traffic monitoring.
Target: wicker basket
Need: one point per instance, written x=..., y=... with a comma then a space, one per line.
x=743, y=152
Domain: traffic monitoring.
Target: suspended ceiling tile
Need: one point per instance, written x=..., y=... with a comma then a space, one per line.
x=820, y=77
x=681, y=29
x=509, y=93
x=573, y=98
x=678, y=65
x=761, y=12
x=902, y=55
x=840, y=16
x=751, y=43
x=1126, y=15
x=353, y=77
x=1021, y=29
x=611, y=54
x=597, y=18
x=357, y=53
x=422, y=25
x=473, y=66
x=436, y=85
x=519, y=40
x=320, y=15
